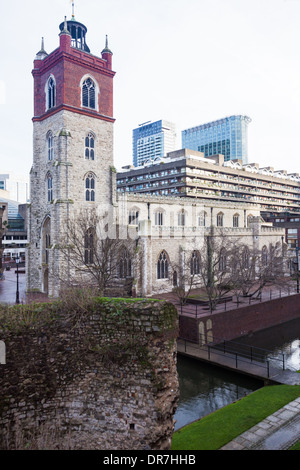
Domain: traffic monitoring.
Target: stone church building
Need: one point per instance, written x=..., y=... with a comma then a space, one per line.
x=73, y=174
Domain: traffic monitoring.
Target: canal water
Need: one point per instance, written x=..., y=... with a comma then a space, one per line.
x=205, y=388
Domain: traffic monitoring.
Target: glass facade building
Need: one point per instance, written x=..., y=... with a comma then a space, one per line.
x=152, y=140
x=228, y=136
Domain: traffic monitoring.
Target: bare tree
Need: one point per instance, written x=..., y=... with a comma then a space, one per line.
x=224, y=267
x=206, y=267
x=253, y=269
x=243, y=262
x=186, y=275
x=94, y=255
x=270, y=268
x=215, y=267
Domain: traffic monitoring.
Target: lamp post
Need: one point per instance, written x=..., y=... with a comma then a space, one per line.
x=17, y=293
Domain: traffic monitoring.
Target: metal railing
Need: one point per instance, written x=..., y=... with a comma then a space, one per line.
x=196, y=309
x=237, y=353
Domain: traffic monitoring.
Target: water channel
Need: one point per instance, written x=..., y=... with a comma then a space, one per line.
x=205, y=388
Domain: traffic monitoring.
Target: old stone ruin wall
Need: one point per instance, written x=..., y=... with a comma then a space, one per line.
x=92, y=374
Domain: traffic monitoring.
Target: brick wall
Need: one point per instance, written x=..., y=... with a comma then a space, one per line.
x=242, y=321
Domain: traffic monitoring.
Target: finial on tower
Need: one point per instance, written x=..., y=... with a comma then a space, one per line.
x=42, y=53
x=106, y=49
x=65, y=28
x=73, y=8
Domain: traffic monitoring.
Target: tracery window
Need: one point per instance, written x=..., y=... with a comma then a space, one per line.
x=89, y=94
x=47, y=246
x=46, y=240
x=124, y=264
x=249, y=220
x=181, y=218
x=49, y=188
x=89, y=240
x=220, y=219
x=264, y=255
x=90, y=187
x=162, y=266
x=51, y=93
x=236, y=220
x=246, y=258
x=202, y=219
x=90, y=146
x=133, y=217
x=159, y=218
x=50, y=146
x=195, y=263
x=223, y=261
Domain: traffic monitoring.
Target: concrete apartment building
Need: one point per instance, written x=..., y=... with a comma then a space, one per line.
x=187, y=173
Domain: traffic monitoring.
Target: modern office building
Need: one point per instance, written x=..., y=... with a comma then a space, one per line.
x=152, y=140
x=228, y=136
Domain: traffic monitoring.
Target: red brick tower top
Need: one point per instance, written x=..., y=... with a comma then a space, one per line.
x=73, y=79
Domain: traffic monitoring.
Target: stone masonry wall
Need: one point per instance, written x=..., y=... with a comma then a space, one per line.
x=88, y=374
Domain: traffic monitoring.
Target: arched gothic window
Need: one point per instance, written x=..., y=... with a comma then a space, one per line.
x=195, y=263
x=89, y=94
x=246, y=258
x=47, y=246
x=181, y=218
x=133, y=217
x=49, y=188
x=90, y=187
x=159, y=218
x=223, y=261
x=89, y=241
x=51, y=93
x=220, y=219
x=202, y=219
x=264, y=255
x=236, y=220
x=50, y=146
x=90, y=147
x=249, y=220
x=162, y=266
x=124, y=264
x=46, y=240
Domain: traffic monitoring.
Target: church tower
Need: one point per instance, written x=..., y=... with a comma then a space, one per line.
x=72, y=147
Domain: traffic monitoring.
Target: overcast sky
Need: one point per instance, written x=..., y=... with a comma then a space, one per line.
x=188, y=62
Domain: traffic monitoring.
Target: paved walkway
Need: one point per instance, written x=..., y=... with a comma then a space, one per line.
x=260, y=370
x=277, y=432
x=8, y=287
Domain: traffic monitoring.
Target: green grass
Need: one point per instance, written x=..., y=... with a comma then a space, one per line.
x=219, y=428
x=296, y=446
